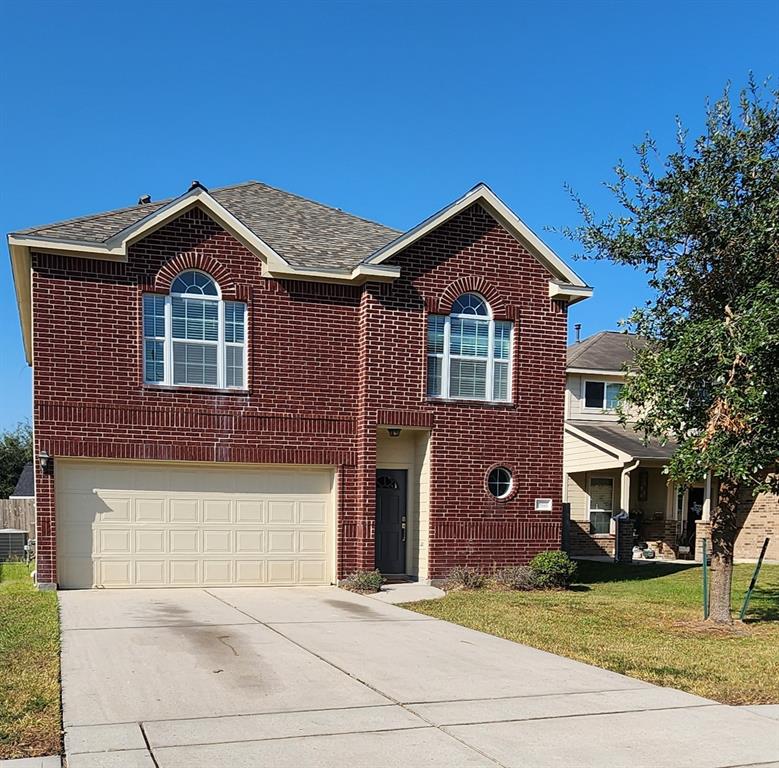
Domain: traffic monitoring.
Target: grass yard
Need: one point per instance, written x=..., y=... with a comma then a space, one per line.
x=641, y=621
x=29, y=666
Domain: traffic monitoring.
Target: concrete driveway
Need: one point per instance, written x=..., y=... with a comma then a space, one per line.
x=320, y=677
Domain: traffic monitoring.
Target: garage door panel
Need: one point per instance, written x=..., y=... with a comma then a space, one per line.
x=249, y=572
x=150, y=573
x=281, y=572
x=314, y=512
x=150, y=541
x=183, y=510
x=217, y=571
x=111, y=508
x=312, y=571
x=216, y=510
x=164, y=525
x=217, y=541
x=281, y=512
x=281, y=542
x=150, y=510
x=184, y=573
x=113, y=541
x=184, y=541
x=312, y=542
x=250, y=541
x=252, y=511
x=114, y=573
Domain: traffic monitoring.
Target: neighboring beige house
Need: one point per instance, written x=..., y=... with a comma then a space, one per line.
x=609, y=469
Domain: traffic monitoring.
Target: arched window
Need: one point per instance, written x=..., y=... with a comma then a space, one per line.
x=192, y=337
x=469, y=353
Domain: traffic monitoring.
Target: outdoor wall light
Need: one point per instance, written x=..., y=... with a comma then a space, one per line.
x=46, y=462
x=394, y=431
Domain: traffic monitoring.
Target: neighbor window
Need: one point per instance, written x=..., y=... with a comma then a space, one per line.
x=191, y=337
x=601, y=504
x=601, y=395
x=469, y=353
x=499, y=482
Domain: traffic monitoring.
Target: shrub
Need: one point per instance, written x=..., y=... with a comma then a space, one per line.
x=464, y=577
x=362, y=581
x=514, y=577
x=553, y=569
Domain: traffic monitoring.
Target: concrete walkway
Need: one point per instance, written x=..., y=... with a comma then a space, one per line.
x=320, y=677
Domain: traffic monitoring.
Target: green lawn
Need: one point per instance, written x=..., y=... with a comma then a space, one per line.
x=642, y=621
x=29, y=666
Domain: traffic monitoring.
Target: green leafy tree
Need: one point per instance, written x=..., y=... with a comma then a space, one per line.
x=15, y=452
x=704, y=224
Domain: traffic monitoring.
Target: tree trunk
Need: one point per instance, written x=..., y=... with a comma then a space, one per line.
x=723, y=539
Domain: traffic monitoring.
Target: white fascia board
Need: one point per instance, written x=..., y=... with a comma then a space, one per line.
x=21, y=267
x=621, y=455
x=568, y=292
x=481, y=193
x=359, y=275
x=594, y=371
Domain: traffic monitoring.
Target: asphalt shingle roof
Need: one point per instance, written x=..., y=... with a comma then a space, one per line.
x=626, y=439
x=303, y=232
x=25, y=485
x=605, y=351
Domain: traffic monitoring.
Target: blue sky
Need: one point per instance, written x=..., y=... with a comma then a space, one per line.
x=388, y=110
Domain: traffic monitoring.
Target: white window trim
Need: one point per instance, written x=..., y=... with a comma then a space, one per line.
x=590, y=510
x=220, y=343
x=446, y=356
x=596, y=409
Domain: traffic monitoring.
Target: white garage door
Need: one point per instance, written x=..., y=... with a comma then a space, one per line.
x=143, y=525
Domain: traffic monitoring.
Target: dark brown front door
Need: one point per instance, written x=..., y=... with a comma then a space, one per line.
x=391, y=520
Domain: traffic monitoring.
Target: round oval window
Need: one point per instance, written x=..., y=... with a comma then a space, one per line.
x=499, y=482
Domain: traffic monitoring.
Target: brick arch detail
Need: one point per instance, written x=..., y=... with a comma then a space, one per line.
x=194, y=260
x=473, y=284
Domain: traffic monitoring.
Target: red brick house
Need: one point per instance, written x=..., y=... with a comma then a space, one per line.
x=246, y=387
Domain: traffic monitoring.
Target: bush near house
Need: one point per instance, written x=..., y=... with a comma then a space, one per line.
x=464, y=577
x=364, y=582
x=553, y=570
x=29, y=666
x=547, y=570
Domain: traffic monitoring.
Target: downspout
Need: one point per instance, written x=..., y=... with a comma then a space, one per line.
x=624, y=503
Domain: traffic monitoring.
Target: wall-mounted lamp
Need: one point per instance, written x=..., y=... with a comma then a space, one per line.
x=394, y=431
x=46, y=462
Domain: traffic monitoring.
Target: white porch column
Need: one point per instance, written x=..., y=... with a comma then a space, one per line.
x=624, y=498
x=670, y=501
x=706, y=514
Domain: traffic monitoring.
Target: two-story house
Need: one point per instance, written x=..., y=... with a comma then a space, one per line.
x=246, y=387
x=609, y=469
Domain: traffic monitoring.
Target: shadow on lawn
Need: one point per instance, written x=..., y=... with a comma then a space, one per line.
x=763, y=605
x=590, y=572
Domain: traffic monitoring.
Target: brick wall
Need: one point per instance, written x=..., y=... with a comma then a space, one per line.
x=583, y=544
x=327, y=365
x=758, y=517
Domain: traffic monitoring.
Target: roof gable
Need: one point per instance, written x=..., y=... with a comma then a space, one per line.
x=485, y=197
x=25, y=485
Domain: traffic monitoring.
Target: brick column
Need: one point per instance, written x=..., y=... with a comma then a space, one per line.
x=702, y=531
x=624, y=549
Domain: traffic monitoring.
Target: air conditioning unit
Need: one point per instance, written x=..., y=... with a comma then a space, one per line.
x=12, y=544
